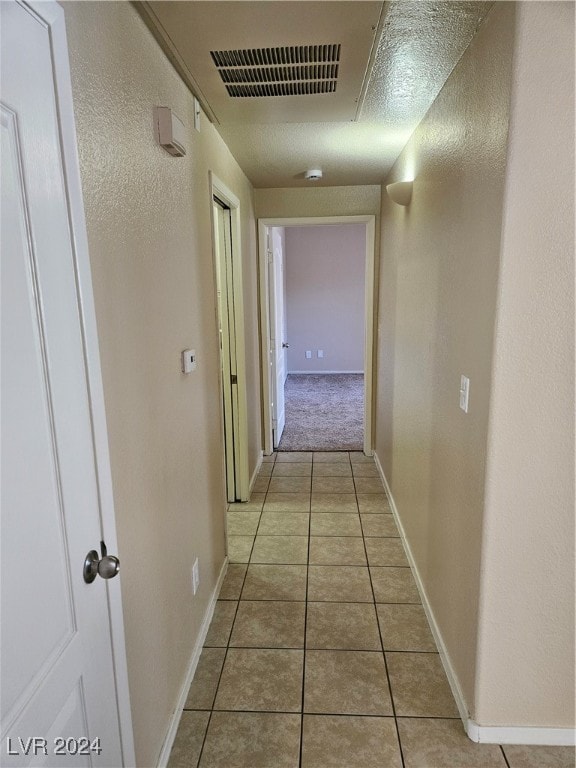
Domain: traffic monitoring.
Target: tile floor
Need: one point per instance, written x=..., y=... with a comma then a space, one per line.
x=319, y=654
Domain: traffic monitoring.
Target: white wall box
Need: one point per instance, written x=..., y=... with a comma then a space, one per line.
x=171, y=131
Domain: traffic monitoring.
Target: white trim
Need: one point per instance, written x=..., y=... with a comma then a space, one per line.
x=195, y=657
x=318, y=373
x=369, y=319
x=267, y=419
x=221, y=191
x=478, y=733
x=255, y=473
x=444, y=656
x=369, y=322
x=494, y=734
x=53, y=15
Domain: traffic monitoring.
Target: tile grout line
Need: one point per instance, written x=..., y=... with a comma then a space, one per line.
x=305, y=622
x=327, y=713
x=381, y=642
x=343, y=602
x=219, y=677
x=312, y=648
x=230, y=635
x=325, y=565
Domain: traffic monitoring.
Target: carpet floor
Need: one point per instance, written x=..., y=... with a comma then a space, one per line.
x=324, y=412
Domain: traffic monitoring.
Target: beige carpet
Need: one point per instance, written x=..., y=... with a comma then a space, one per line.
x=324, y=412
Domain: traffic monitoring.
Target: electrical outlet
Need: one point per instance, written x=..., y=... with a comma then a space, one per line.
x=308, y=354
x=320, y=353
x=195, y=577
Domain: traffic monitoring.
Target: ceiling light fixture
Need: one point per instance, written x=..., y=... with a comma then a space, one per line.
x=400, y=192
x=313, y=174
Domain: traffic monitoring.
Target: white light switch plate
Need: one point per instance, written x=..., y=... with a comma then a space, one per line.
x=464, y=393
x=195, y=577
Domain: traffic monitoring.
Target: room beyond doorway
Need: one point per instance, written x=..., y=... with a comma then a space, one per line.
x=275, y=345
x=324, y=412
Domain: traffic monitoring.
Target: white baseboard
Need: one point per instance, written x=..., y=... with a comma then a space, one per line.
x=317, y=373
x=255, y=473
x=496, y=734
x=478, y=733
x=197, y=650
x=444, y=657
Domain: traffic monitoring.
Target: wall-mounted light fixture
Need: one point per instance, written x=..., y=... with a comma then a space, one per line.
x=400, y=192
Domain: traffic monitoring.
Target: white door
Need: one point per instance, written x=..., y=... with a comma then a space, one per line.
x=57, y=664
x=277, y=335
x=227, y=329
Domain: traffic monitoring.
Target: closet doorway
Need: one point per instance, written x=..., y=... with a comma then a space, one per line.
x=228, y=274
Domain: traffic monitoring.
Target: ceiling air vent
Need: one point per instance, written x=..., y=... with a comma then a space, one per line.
x=289, y=71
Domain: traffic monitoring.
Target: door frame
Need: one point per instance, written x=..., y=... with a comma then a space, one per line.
x=273, y=317
x=220, y=190
x=369, y=318
x=52, y=15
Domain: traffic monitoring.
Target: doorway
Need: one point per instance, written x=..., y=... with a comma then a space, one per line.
x=273, y=354
x=277, y=314
x=230, y=317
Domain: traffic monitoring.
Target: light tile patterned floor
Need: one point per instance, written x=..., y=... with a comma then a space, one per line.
x=319, y=654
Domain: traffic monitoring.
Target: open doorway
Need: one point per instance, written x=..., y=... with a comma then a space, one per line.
x=228, y=273
x=317, y=343
x=276, y=253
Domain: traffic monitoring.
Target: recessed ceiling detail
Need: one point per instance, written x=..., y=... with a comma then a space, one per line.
x=392, y=59
x=305, y=70
x=265, y=62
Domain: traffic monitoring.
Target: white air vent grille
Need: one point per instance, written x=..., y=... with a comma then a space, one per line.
x=280, y=89
x=288, y=71
x=280, y=74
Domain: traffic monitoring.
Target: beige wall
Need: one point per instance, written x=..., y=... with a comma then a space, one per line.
x=438, y=290
x=318, y=201
x=148, y=218
x=479, y=276
x=526, y=649
x=325, y=267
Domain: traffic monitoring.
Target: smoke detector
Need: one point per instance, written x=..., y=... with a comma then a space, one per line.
x=313, y=175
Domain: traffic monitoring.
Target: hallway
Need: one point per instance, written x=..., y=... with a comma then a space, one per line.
x=319, y=653
x=446, y=131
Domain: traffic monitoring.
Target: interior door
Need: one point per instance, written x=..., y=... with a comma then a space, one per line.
x=227, y=330
x=278, y=344
x=57, y=666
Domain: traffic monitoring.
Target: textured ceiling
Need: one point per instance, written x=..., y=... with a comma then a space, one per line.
x=417, y=44
x=272, y=35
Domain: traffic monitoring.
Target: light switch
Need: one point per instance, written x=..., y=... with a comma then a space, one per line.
x=464, y=393
x=188, y=360
x=320, y=353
